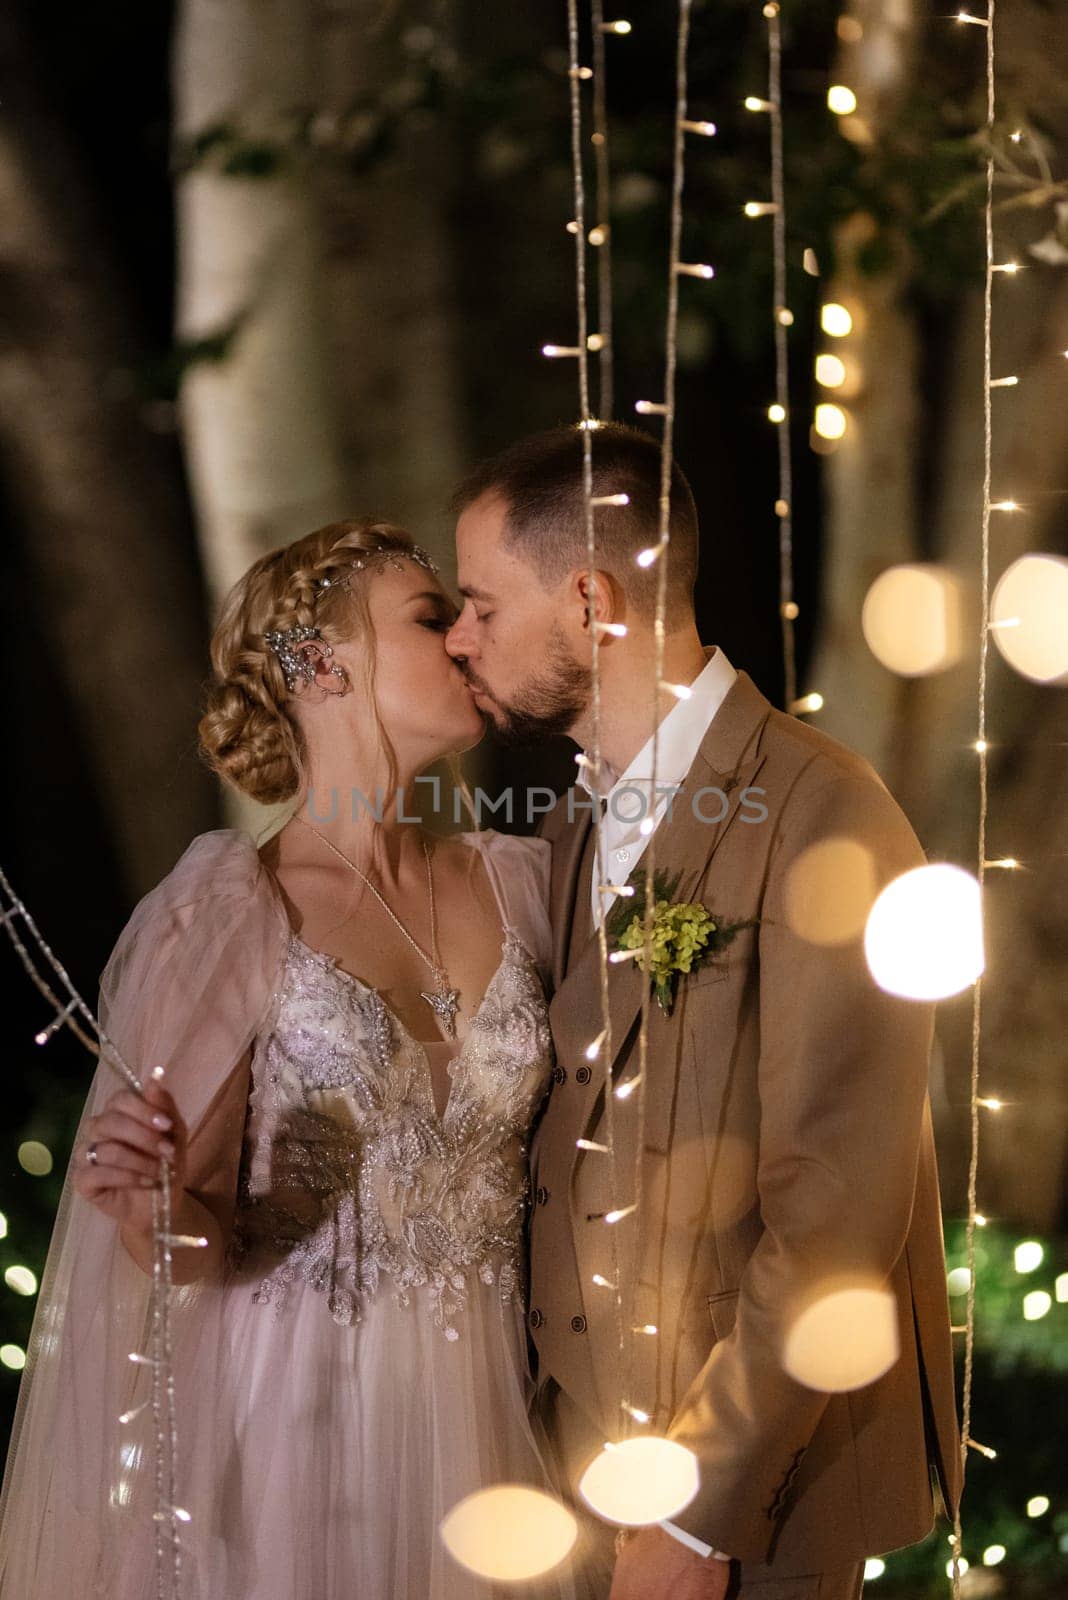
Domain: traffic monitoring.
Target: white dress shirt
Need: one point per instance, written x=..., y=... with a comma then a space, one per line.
x=629, y=798
x=629, y=795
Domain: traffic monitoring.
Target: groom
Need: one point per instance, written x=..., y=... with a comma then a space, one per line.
x=786, y=1146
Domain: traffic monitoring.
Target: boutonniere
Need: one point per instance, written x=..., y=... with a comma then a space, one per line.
x=685, y=934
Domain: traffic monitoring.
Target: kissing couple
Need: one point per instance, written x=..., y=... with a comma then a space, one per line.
x=438, y=1258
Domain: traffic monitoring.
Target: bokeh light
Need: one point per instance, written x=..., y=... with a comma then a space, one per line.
x=1028, y=1255
x=35, y=1158
x=844, y=1340
x=640, y=1480
x=1029, y=617
x=829, y=890
x=924, y=939
x=836, y=320
x=510, y=1533
x=13, y=1356
x=911, y=619
x=1036, y=1305
x=21, y=1279
x=830, y=421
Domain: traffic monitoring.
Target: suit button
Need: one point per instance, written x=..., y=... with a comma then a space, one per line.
x=541, y=1195
x=559, y=1075
x=583, y=1075
x=536, y=1318
x=578, y=1324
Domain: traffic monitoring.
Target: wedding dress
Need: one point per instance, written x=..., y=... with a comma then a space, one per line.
x=361, y=1365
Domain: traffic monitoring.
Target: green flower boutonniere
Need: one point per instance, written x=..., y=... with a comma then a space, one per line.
x=684, y=935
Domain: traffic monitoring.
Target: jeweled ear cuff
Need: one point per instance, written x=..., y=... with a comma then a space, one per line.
x=297, y=667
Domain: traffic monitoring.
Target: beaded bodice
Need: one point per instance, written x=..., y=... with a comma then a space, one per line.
x=349, y=1174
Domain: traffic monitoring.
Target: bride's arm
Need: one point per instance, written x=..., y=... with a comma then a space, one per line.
x=205, y=1203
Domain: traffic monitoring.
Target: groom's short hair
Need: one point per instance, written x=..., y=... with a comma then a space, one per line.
x=540, y=480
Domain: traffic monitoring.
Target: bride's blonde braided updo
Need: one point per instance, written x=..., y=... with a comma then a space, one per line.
x=247, y=733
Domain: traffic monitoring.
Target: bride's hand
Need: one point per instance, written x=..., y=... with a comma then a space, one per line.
x=131, y=1136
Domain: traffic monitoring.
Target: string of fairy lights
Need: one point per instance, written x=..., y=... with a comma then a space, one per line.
x=957, y=1544
x=71, y=1011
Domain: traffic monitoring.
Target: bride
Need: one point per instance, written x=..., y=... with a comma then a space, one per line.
x=352, y=1025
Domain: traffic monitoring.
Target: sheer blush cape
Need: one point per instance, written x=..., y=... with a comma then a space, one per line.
x=187, y=986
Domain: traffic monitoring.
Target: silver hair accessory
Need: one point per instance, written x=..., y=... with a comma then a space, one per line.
x=301, y=668
x=370, y=558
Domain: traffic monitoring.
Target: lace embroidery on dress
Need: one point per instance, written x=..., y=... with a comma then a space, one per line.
x=348, y=1172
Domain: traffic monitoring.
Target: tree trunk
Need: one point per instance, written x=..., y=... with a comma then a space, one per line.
x=100, y=497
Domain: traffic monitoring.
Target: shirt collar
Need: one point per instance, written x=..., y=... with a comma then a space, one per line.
x=679, y=736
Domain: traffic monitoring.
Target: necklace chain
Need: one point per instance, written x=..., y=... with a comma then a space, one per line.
x=443, y=1002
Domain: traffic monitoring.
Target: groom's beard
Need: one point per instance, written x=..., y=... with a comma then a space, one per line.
x=551, y=701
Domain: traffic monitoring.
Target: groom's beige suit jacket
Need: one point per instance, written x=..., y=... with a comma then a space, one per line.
x=786, y=1150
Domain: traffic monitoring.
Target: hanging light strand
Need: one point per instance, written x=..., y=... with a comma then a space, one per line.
x=782, y=319
x=593, y=758
x=666, y=462
x=602, y=167
x=982, y=743
x=166, y=1515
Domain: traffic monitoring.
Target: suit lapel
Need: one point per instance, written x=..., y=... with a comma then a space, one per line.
x=728, y=760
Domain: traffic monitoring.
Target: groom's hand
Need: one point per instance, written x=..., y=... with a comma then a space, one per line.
x=654, y=1566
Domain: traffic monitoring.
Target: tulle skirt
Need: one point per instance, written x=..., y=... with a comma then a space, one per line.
x=336, y=1451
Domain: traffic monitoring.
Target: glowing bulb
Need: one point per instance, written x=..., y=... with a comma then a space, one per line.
x=924, y=936
x=21, y=1279
x=1038, y=1505
x=958, y=1281
x=13, y=1356
x=637, y=1413
x=707, y=130
x=961, y=1564
x=617, y=27
x=785, y=317
x=830, y=421
x=640, y=1481
x=1036, y=1304
x=1006, y=266
x=808, y=702
x=759, y=208
x=602, y=1283
x=1060, y=1288
x=681, y=691
x=1004, y=505
x=594, y=1048
x=612, y=1217
x=776, y=413
x=994, y=1554
x=509, y=1533
x=647, y=1327
x=695, y=269
x=1028, y=1256
x=980, y=1220
x=754, y=103
x=597, y=237
x=650, y=408
x=627, y=1088
x=874, y=1568
x=618, y=630
x=840, y=100
x=981, y=745
x=646, y=826
x=555, y=350
x=610, y=500
x=835, y=320
x=591, y=1144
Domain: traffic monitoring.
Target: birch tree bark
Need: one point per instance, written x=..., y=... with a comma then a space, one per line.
x=260, y=429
